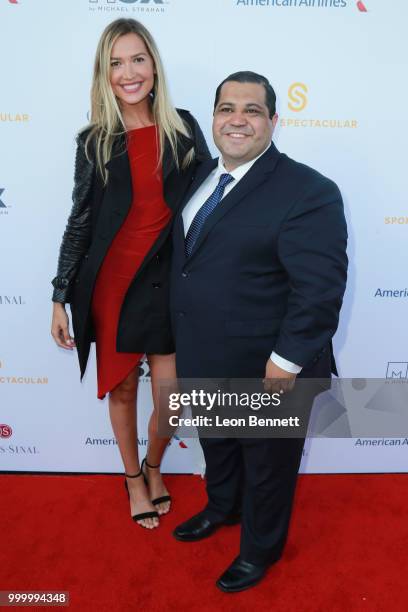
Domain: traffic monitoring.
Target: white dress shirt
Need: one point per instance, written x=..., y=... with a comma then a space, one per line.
x=201, y=195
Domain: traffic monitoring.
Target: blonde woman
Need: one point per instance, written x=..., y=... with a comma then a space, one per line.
x=134, y=163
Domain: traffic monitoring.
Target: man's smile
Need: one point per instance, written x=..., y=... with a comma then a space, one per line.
x=237, y=135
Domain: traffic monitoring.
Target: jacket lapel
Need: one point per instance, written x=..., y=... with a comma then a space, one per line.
x=257, y=175
x=184, y=144
x=120, y=173
x=202, y=173
x=118, y=191
x=168, y=164
x=119, y=161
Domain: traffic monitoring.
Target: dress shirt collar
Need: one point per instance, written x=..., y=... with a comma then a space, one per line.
x=240, y=171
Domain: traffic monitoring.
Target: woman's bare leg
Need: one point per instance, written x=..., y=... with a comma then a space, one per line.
x=122, y=410
x=162, y=368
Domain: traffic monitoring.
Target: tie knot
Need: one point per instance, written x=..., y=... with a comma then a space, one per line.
x=225, y=179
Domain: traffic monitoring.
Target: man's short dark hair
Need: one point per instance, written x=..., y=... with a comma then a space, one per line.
x=246, y=76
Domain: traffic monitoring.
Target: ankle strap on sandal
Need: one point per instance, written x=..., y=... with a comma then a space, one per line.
x=149, y=465
x=134, y=475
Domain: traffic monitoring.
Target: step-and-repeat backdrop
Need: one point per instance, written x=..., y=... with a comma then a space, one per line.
x=339, y=68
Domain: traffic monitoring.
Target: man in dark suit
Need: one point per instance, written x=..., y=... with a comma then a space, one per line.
x=258, y=276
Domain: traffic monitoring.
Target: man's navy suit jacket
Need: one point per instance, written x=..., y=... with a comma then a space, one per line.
x=268, y=272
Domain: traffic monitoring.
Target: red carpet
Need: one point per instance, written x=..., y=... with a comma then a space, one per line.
x=347, y=550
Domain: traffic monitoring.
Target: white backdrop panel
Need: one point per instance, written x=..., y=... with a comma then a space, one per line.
x=339, y=73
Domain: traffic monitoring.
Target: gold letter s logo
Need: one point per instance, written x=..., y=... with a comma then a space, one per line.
x=297, y=96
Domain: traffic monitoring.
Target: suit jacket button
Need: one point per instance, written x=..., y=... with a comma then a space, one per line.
x=156, y=285
x=182, y=314
x=184, y=274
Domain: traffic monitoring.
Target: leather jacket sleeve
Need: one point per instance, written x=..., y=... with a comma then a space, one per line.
x=77, y=235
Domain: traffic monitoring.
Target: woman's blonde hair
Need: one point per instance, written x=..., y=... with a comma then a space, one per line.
x=106, y=118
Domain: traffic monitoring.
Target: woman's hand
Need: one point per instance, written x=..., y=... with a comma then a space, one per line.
x=60, y=327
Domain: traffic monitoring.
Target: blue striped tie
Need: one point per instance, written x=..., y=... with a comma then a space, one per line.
x=205, y=210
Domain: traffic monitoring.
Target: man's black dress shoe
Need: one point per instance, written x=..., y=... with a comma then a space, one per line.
x=200, y=527
x=241, y=575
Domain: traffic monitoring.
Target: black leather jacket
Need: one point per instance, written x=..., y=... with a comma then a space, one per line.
x=87, y=189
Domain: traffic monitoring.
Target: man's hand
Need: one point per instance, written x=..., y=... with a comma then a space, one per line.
x=277, y=380
x=60, y=327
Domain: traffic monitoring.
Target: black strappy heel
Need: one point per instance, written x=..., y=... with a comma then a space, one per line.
x=157, y=500
x=142, y=515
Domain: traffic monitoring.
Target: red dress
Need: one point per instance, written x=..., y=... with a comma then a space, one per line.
x=147, y=216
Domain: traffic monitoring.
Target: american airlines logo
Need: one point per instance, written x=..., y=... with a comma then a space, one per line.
x=304, y=4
